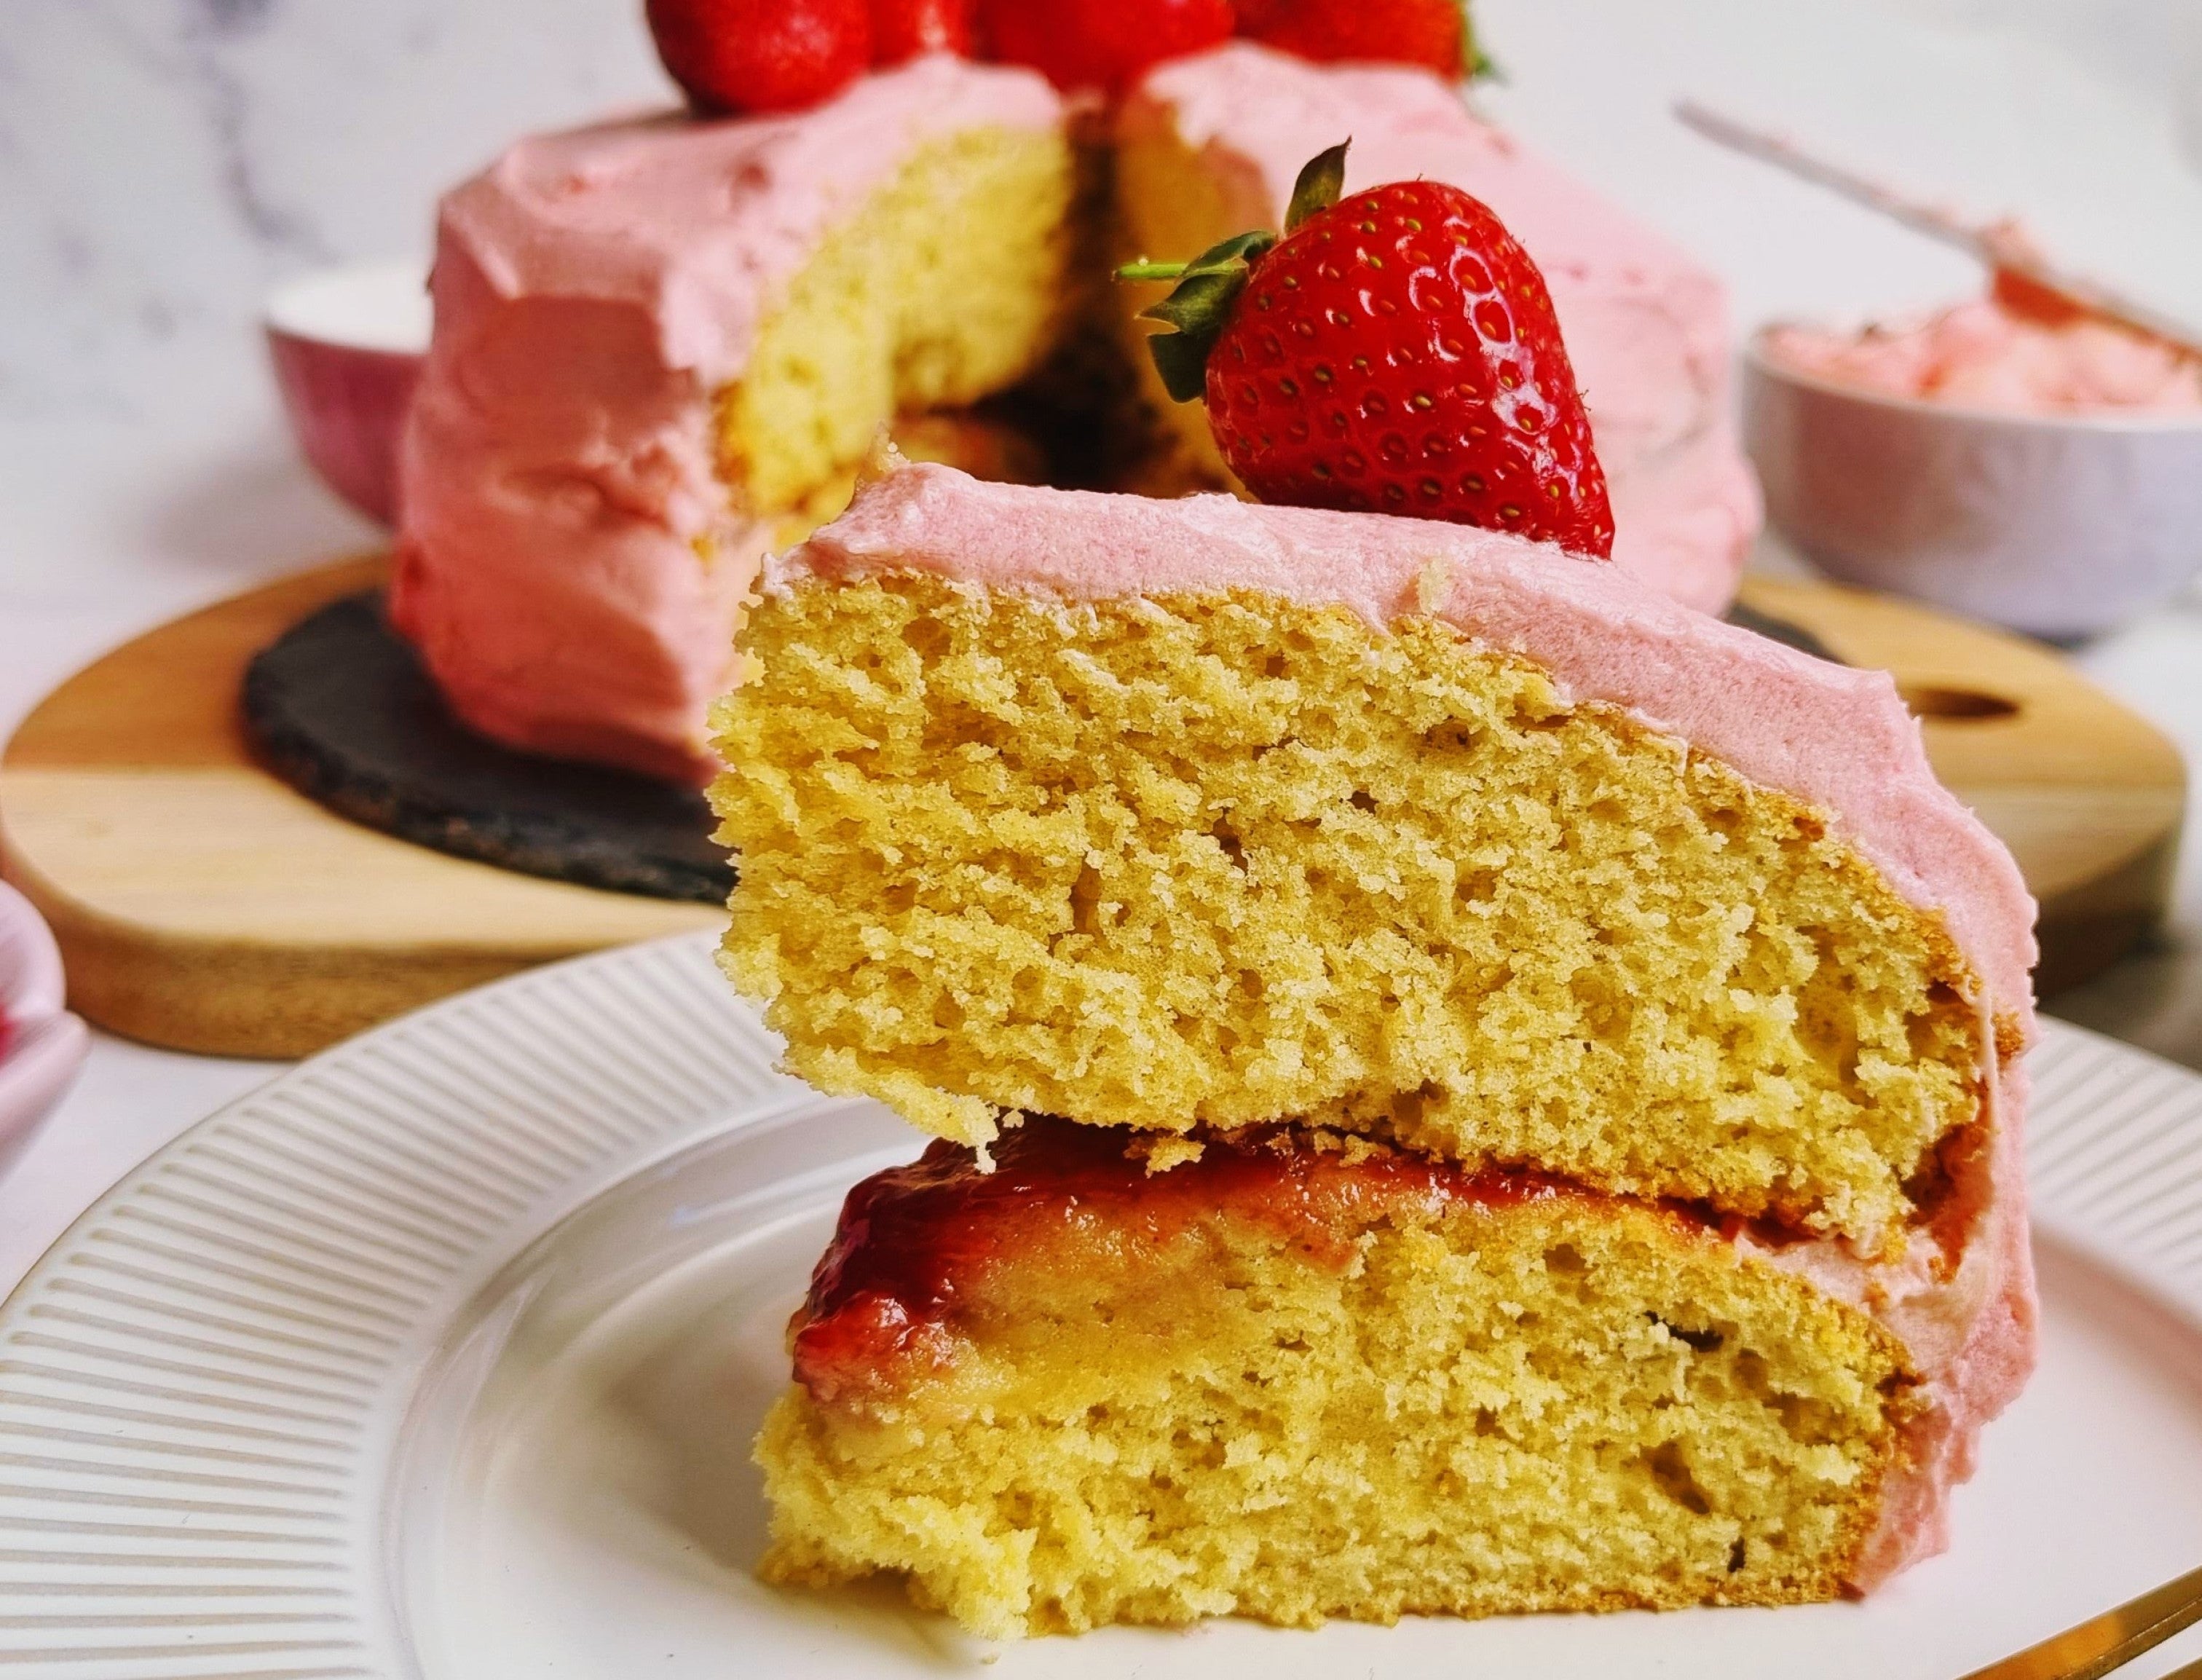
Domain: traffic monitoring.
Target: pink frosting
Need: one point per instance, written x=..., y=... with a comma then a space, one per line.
x=1980, y=355
x=1646, y=327
x=1962, y=1297
x=570, y=566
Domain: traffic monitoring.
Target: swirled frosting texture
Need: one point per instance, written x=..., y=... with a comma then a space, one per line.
x=1980, y=355
x=1962, y=1297
x=1647, y=329
x=570, y=565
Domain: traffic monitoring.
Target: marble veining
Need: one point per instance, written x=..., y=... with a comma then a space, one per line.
x=162, y=162
x=225, y=96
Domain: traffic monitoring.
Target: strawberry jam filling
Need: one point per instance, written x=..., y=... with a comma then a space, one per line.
x=914, y=1242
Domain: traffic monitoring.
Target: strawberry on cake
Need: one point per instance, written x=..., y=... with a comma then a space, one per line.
x=1464, y=1086
x=1210, y=145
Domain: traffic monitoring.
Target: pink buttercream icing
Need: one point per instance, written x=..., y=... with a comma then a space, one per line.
x=570, y=566
x=1980, y=355
x=1961, y=1299
x=1646, y=327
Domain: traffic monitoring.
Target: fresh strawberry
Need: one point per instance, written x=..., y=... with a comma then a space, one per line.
x=902, y=29
x=1396, y=351
x=1433, y=33
x=1104, y=44
x=762, y=54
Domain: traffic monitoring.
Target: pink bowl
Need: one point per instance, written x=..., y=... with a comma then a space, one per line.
x=2062, y=526
x=44, y=1044
x=347, y=344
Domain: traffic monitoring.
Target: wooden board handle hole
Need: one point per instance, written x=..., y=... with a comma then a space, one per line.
x=1959, y=706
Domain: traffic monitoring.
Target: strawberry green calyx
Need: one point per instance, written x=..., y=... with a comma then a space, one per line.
x=1197, y=308
x=1208, y=287
x=1476, y=64
x=1321, y=180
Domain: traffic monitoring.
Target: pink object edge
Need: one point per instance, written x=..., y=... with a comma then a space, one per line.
x=346, y=404
x=48, y=1044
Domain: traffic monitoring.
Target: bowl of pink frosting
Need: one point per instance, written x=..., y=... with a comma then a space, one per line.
x=347, y=345
x=2044, y=475
x=42, y=1045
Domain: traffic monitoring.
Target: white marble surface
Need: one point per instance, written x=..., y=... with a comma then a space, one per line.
x=163, y=162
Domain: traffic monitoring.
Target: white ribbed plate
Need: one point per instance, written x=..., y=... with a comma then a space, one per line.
x=439, y=1357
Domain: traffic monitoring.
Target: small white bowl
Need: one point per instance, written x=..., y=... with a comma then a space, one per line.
x=45, y=1043
x=348, y=344
x=2059, y=526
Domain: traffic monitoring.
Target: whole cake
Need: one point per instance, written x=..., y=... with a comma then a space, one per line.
x=661, y=345
x=1534, y=1070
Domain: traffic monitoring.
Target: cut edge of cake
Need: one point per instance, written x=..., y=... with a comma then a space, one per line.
x=1299, y=1376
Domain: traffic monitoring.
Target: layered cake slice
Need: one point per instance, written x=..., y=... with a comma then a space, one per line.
x=662, y=346
x=1472, y=1087
x=1465, y=1085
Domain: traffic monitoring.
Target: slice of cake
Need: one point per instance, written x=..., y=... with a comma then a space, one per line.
x=1543, y=1115
x=1197, y=813
x=661, y=347
x=1210, y=145
x=1296, y=1377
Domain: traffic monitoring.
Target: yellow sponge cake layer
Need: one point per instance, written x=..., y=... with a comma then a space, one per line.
x=1213, y=859
x=946, y=287
x=1293, y=1382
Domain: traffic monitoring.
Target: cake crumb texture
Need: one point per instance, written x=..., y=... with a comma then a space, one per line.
x=1219, y=860
x=1568, y=1403
x=946, y=286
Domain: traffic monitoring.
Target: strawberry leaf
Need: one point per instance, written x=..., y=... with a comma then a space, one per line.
x=1321, y=178
x=1181, y=358
x=1197, y=308
x=1476, y=64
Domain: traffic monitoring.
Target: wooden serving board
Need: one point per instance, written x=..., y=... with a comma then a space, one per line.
x=204, y=905
x=2089, y=795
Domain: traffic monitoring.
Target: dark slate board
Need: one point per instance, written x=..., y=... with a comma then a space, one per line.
x=340, y=709
x=1782, y=630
